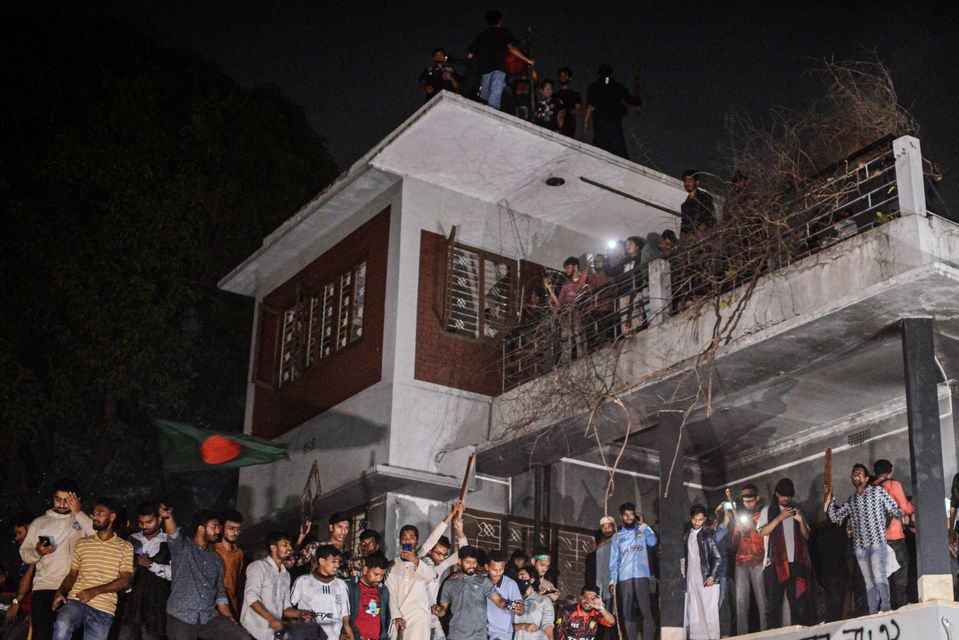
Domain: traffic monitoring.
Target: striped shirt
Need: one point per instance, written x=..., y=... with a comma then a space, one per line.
x=98, y=562
x=868, y=512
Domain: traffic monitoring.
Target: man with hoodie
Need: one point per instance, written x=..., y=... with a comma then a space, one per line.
x=629, y=571
x=49, y=545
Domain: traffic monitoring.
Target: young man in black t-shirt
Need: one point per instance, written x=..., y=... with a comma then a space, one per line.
x=572, y=102
x=439, y=76
x=488, y=53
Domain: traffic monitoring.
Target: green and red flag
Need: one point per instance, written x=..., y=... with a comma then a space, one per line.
x=188, y=448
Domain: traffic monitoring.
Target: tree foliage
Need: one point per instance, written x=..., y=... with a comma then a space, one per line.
x=133, y=176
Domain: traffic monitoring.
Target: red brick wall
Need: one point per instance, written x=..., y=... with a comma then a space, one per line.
x=343, y=374
x=442, y=357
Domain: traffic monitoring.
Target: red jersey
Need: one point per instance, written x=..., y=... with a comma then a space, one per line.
x=370, y=614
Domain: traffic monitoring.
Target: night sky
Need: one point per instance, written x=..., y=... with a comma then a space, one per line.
x=354, y=65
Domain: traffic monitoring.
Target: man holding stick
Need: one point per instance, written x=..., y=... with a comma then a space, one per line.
x=868, y=508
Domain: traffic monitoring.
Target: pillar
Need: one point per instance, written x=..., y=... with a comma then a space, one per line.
x=925, y=451
x=909, y=179
x=672, y=521
x=660, y=290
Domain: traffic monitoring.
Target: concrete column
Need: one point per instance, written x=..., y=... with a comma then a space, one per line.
x=672, y=519
x=909, y=181
x=660, y=290
x=925, y=452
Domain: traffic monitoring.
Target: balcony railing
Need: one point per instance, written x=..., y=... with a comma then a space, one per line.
x=879, y=186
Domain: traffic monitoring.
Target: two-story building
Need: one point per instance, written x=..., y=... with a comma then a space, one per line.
x=392, y=341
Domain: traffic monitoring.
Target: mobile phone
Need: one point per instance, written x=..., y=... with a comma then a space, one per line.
x=729, y=506
x=407, y=547
x=45, y=541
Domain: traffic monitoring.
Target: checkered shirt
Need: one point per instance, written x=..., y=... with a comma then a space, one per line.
x=868, y=511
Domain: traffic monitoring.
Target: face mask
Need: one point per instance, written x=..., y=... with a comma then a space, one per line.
x=523, y=586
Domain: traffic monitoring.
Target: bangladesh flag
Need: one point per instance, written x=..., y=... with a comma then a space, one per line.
x=188, y=448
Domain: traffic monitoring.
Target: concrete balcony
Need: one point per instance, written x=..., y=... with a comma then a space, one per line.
x=812, y=345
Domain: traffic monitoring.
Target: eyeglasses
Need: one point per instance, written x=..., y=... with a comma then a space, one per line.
x=442, y=554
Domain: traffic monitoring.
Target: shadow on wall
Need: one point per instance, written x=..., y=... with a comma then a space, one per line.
x=345, y=447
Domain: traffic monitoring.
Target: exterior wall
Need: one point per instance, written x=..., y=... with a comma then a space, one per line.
x=443, y=357
x=346, y=441
x=436, y=422
x=344, y=373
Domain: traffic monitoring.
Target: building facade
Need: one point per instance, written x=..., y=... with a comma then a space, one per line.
x=389, y=310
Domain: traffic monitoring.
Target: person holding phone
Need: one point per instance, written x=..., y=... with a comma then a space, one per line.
x=582, y=620
x=629, y=575
x=49, y=546
x=413, y=582
x=787, y=568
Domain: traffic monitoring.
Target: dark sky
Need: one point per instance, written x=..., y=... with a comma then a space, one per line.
x=353, y=65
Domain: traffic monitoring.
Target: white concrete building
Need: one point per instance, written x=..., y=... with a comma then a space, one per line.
x=383, y=305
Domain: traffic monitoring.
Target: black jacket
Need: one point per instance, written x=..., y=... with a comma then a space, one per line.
x=710, y=555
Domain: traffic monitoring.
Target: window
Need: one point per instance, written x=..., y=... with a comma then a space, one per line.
x=322, y=323
x=479, y=291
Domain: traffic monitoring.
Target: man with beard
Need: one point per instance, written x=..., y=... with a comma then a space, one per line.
x=788, y=567
x=597, y=562
x=468, y=591
x=144, y=615
x=49, y=546
x=102, y=565
x=868, y=508
x=231, y=555
x=749, y=560
x=198, y=606
x=703, y=567
x=629, y=571
x=267, y=592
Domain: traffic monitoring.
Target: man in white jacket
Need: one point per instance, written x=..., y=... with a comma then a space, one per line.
x=49, y=545
x=412, y=581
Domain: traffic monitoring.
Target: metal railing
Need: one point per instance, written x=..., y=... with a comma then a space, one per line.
x=748, y=244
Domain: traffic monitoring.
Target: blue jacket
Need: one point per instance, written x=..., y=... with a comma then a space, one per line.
x=628, y=557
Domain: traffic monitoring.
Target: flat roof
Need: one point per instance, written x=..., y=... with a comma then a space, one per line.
x=489, y=155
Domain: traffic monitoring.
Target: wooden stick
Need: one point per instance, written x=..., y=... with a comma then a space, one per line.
x=828, y=470
x=470, y=465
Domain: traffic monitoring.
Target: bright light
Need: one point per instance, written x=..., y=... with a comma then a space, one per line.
x=744, y=518
x=611, y=244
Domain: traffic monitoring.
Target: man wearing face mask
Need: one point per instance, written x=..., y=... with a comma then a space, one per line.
x=49, y=546
x=468, y=592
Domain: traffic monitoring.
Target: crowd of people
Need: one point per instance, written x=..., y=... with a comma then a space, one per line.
x=73, y=571
x=498, y=72
x=585, y=306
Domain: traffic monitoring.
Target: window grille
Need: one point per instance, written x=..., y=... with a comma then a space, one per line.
x=318, y=325
x=479, y=291
x=858, y=437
